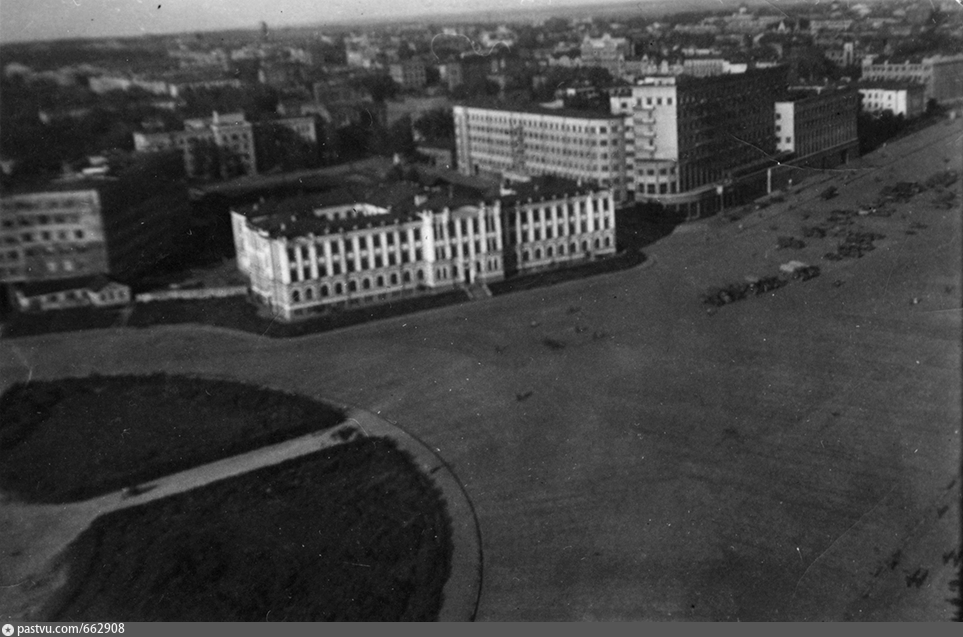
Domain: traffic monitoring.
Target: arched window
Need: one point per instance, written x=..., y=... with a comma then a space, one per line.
x=538, y=254
x=561, y=248
x=597, y=243
x=308, y=294
x=394, y=279
x=421, y=275
x=381, y=281
x=585, y=246
x=572, y=247
x=524, y=256
x=407, y=277
x=366, y=283
x=550, y=252
x=352, y=286
x=338, y=289
x=608, y=241
x=295, y=296
x=324, y=290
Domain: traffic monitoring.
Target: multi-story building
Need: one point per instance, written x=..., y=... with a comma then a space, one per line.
x=52, y=233
x=304, y=256
x=229, y=133
x=941, y=75
x=111, y=225
x=606, y=52
x=681, y=141
x=494, y=140
x=818, y=125
x=901, y=98
x=409, y=75
x=691, y=141
x=222, y=144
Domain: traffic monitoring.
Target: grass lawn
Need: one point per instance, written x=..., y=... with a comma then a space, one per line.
x=73, y=439
x=351, y=533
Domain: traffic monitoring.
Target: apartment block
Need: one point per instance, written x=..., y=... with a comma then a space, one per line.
x=120, y=225
x=409, y=75
x=229, y=133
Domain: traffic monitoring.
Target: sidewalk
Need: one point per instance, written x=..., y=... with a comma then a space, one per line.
x=35, y=536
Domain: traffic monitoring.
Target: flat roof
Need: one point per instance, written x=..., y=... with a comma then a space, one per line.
x=535, y=109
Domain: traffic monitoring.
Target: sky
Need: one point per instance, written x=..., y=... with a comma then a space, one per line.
x=55, y=19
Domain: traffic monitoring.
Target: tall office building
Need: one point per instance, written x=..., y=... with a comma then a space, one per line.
x=506, y=141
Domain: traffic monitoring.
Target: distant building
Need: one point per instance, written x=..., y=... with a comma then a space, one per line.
x=901, y=98
x=121, y=226
x=414, y=107
x=303, y=256
x=606, y=52
x=409, y=75
x=818, y=126
x=221, y=133
x=941, y=75
x=438, y=155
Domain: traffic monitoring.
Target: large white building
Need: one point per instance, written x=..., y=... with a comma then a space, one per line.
x=576, y=145
x=305, y=255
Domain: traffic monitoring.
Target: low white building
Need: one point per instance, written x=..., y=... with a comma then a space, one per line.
x=902, y=98
x=303, y=257
x=96, y=291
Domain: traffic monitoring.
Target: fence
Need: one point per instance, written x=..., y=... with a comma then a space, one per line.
x=204, y=293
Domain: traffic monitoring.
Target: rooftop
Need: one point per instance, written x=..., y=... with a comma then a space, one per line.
x=535, y=109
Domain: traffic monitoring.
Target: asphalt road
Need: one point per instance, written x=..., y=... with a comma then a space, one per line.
x=632, y=457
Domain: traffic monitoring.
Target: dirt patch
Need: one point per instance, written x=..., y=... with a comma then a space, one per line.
x=352, y=533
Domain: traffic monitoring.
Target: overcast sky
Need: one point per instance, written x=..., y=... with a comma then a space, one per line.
x=54, y=19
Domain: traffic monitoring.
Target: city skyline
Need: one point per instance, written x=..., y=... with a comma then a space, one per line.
x=42, y=20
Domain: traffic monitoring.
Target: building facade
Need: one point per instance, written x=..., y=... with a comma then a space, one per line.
x=120, y=225
x=223, y=144
x=606, y=52
x=941, y=75
x=303, y=261
x=819, y=125
x=688, y=140
x=492, y=141
x=901, y=98
x=409, y=75
x=229, y=133
x=49, y=235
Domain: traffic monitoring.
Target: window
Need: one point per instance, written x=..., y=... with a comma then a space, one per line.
x=366, y=283
x=352, y=286
x=338, y=288
x=421, y=275
x=308, y=294
x=407, y=277
x=381, y=281
x=295, y=296
x=394, y=279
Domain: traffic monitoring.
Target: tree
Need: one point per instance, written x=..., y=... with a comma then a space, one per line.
x=436, y=125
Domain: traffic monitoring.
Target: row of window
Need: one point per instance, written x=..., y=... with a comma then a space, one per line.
x=339, y=288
